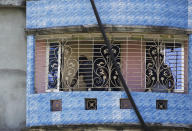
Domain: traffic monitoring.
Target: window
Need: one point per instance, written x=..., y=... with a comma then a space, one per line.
x=84, y=66
x=53, y=66
x=164, y=66
x=81, y=63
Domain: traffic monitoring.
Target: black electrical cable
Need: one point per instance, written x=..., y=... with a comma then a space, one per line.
x=144, y=126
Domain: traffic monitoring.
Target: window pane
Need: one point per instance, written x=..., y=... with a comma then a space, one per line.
x=105, y=74
x=175, y=60
x=159, y=76
x=53, y=66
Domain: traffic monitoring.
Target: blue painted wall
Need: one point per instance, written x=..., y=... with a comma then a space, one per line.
x=190, y=65
x=108, y=108
x=189, y=13
x=30, y=64
x=53, y=13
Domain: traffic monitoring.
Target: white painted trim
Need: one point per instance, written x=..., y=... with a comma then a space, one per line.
x=183, y=72
x=59, y=67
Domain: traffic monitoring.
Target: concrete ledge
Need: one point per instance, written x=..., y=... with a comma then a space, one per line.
x=13, y=3
x=109, y=28
x=12, y=71
x=110, y=127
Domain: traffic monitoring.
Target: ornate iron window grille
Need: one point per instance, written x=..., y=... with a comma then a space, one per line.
x=160, y=74
x=94, y=71
x=83, y=64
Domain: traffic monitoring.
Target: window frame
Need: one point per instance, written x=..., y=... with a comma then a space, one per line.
x=57, y=89
x=183, y=61
x=183, y=68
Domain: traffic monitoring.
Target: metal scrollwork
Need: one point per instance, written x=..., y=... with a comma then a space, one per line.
x=158, y=75
x=104, y=70
x=69, y=68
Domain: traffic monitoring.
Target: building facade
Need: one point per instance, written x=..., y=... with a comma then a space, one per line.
x=71, y=78
x=13, y=65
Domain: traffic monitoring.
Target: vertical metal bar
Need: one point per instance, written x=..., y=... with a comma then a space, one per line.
x=141, y=62
x=126, y=57
x=59, y=67
x=93, y=43
x=110, y=68
x=175, y=65
x=78, y=63
x=117, y=67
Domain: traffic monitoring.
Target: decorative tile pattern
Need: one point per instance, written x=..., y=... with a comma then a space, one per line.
x=90, y=104
x=125, y=104
x=108, y=111
x=56, y=105
x=52, y=13
x=161, y=104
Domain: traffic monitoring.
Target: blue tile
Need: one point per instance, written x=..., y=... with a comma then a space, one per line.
x=190, y=64
x=179, y=109
x=30, y=64
x=49, y=13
